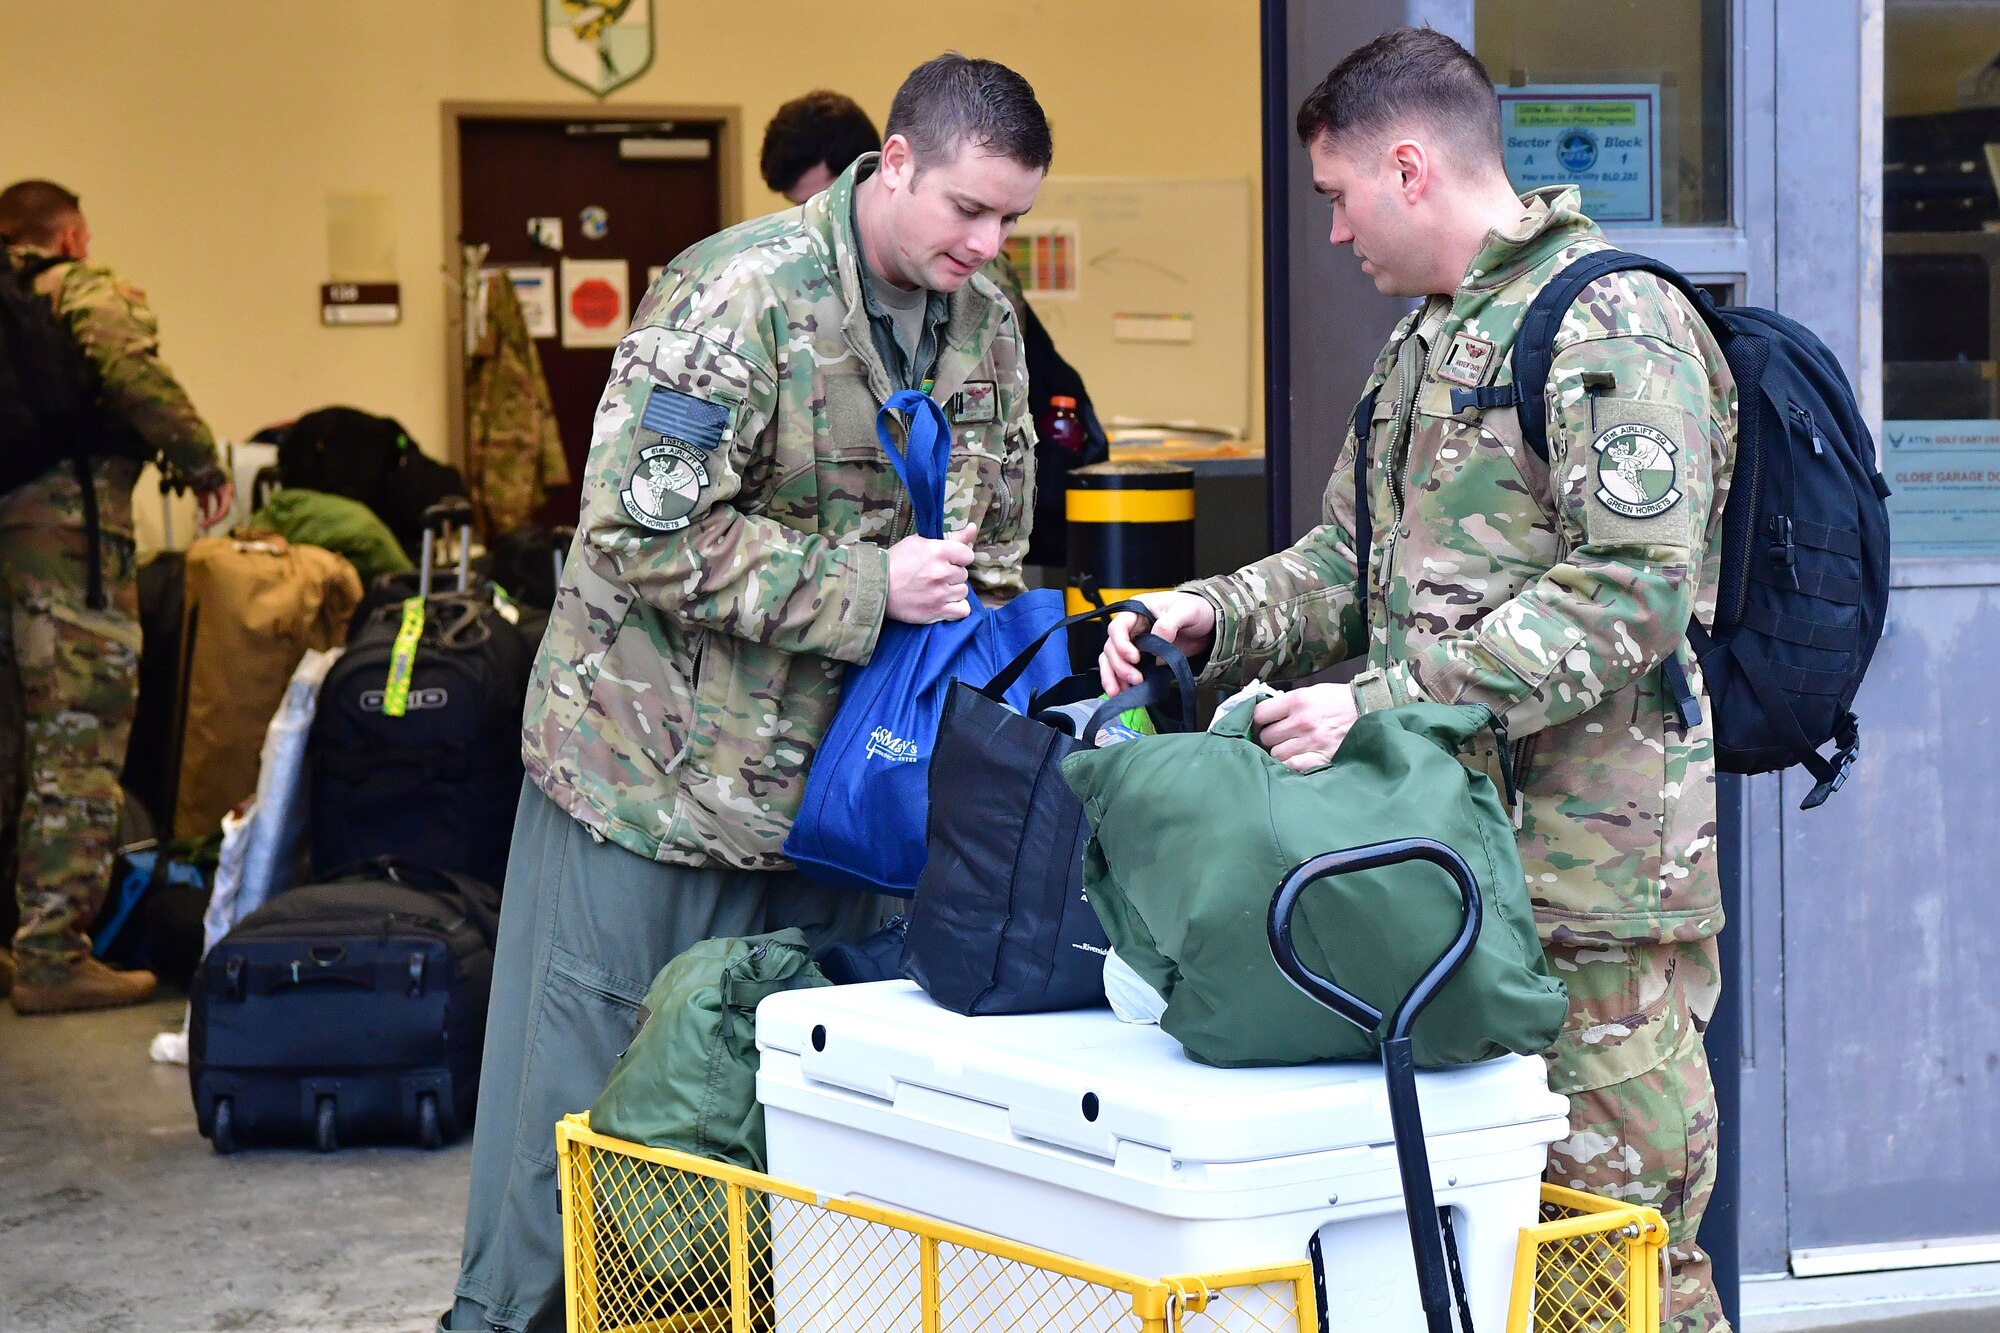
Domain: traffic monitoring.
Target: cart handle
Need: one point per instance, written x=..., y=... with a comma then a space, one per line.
x=1398, y=1061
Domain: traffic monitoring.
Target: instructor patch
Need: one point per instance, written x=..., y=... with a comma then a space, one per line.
x=664, y=485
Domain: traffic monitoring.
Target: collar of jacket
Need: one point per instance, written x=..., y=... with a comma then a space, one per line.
x=975, y=308
x=1552, y=217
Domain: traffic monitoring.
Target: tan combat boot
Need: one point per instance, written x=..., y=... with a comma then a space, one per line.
x=6, y=972
x=91, y=985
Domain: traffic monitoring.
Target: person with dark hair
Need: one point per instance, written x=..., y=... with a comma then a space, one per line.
x=69, y=594
x=812, y=140
x=1556, y=595
x=743, y=538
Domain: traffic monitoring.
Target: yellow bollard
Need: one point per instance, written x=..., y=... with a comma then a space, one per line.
x=1131, y=530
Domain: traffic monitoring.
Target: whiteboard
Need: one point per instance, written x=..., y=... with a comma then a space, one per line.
x=1158, y=323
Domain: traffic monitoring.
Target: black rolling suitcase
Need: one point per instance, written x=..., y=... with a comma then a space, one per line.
x=416, y=742
x=347, y=1011
x=1432, y=1242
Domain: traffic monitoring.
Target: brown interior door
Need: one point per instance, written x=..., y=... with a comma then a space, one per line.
x=654, y=204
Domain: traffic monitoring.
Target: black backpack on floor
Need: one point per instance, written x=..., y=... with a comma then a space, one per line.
x=346, y=1011
x=1805, y=532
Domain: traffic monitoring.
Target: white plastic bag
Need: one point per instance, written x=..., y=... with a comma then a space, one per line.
x=1132, y=999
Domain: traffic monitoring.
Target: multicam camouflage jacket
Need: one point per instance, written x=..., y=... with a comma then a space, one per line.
x=732, y=552
x=119, y=336
x=1552, y=593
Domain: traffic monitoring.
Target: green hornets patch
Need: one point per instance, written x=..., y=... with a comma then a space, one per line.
x=664, y=485
x=1636, y=475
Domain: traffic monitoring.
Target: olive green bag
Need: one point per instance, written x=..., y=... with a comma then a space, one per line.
x=688, y=1081
x=1194, y=832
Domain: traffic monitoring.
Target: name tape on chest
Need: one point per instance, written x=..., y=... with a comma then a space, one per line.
x=978, y=401
x=1467, y=360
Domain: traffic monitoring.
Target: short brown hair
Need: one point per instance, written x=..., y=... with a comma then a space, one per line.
x=952, y=101
x=32, y=212
x=821, y=128
x=1405, y=75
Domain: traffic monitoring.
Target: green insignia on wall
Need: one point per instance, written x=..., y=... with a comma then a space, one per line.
x=598, y=45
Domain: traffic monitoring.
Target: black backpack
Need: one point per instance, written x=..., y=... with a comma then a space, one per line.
x=49, y=413
x=46, y=389
x=1805, y=532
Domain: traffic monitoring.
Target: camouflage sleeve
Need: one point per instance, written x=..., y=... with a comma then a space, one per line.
x=1632, y=436
x=111, y=323
x=1299, y=611
x=681, y=433
x=1002, y=543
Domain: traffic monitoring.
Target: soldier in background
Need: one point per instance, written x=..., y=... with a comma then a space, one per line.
x=740, y=542
x=812, y=140
x=1553, y=595
x=72, y=633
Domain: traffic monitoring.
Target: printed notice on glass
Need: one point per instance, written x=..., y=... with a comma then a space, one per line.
x=1603, y=138
x=1945, y=476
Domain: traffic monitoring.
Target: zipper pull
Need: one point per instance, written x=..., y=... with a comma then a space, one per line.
x=1804, y=418
x=1507, y=767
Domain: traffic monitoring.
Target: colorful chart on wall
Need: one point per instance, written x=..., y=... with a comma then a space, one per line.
x=595, y=299
x=1603, y=138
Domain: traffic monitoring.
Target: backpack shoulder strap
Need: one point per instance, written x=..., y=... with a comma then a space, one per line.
x=1535, y=344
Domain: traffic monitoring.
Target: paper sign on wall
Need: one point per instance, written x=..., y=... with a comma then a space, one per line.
x=1945, y=478
x=535, y=285
x=1601, y=137
x=595, y=298
x=1045, y=258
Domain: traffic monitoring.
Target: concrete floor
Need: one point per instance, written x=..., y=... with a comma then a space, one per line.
x=116, y=1214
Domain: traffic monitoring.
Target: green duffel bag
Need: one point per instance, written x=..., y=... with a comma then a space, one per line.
x=688, y=1081
x=1194, y=832
x=343, y=526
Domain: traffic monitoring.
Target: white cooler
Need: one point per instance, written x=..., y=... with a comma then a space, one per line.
x=1101, y=1140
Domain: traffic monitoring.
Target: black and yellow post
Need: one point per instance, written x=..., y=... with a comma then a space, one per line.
x=1131, y=530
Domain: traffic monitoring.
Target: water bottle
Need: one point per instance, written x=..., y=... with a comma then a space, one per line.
x=1060, y=425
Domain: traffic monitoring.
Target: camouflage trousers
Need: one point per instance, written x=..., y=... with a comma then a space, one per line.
x=1641, y=1106
x=78, y=681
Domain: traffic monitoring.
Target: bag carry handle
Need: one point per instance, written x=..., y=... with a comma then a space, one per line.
x=1398, y=1063
x=1004, y=681
x=923, y=460
x=1150, y=692
x=425, y=879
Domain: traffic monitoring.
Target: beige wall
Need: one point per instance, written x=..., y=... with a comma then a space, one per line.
x=1928, y=48
x=205, y=140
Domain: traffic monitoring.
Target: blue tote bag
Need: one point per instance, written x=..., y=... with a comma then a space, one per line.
x=867, y=800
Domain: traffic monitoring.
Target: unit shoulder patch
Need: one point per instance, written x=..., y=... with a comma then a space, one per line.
x=1636, y=474
x=664, y=485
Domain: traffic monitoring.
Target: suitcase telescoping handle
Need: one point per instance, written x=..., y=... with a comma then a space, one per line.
x=453, y=513
x=1398, y=1064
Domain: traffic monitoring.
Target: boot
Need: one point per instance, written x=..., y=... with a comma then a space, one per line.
x=6, y=972
x=90, y=985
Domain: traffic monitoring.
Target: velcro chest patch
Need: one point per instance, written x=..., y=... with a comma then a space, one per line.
x=1467, y=361
x=1637, y=469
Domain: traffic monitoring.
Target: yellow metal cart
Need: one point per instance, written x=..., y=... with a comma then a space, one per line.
x=657, y=1241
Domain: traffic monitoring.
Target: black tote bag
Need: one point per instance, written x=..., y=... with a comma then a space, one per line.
x=1000, y=924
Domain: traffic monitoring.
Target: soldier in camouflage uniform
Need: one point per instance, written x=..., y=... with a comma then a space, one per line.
x=743, y=539
x=77, y=664
x=1551, y=594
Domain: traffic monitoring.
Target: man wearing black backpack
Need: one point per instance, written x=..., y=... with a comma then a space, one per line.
x=1468, y=570
x=84, y=402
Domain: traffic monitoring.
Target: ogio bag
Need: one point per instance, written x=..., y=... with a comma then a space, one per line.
x=1193, y=834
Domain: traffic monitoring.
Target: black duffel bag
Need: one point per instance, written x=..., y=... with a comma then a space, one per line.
x=999, y=924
